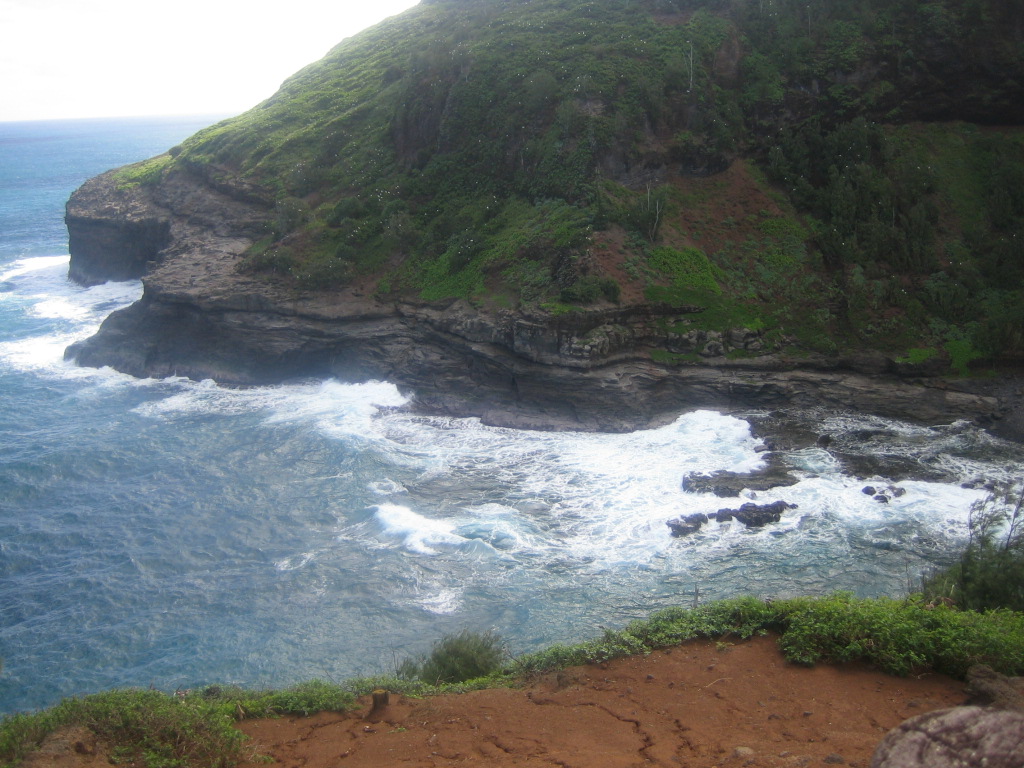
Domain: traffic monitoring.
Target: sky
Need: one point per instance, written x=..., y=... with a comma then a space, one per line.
x=120, y=58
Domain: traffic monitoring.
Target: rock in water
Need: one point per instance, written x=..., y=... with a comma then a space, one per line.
x=687, y=524
x=961, y=737
x=756, y=515
x=725, y=484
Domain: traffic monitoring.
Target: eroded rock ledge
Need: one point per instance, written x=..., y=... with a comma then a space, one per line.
x=199, y=317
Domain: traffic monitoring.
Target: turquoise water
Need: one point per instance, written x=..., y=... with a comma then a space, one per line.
x=175, y=533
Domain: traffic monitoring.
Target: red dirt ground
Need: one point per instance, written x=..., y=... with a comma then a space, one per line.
x=700, y=704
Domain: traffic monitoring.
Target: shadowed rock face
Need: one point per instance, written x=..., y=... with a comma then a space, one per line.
x=961, y=737
x=592, y=370
x=988, y=688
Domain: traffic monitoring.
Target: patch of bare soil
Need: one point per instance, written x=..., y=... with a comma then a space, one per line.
x=700, y=704
x=716, y=211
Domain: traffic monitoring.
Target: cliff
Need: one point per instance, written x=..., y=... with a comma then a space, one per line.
x=558, y=235
x=591, y=369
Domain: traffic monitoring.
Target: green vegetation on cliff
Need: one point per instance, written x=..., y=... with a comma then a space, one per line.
x=840, y=173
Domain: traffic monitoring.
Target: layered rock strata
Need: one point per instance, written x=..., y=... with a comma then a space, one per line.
x=200, y=317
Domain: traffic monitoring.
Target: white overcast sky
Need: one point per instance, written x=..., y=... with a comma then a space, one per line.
x=119, y=58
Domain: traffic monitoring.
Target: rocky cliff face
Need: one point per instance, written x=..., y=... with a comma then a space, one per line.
x=200, y=317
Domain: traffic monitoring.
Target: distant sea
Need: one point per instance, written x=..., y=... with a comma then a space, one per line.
x=172, y=533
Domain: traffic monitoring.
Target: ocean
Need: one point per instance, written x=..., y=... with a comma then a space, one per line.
x=172, y=533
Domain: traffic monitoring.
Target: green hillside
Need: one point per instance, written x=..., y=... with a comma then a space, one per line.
x=840, y=175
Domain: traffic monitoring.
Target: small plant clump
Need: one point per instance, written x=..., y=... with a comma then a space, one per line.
x=457, y=658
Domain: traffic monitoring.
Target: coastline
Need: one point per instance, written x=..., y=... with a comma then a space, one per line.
x=590, y=370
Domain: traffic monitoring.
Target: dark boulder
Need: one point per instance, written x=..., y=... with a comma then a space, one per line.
x=884, y=495
x=684, y=525
x=755, y=515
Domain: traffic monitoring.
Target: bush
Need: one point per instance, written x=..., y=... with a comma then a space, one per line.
x=457, y=658
x=686, y=268
x=303, y=699
x=990, y=572
x=589, y=289
x=901, y=636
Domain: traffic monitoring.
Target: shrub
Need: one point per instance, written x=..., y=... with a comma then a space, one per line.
x=155, y=729
x=990, y=572
x=961, y=354
x=901, y=636
x=591, y=288
x=457, y=658
x=686, y=268
x=303, y=699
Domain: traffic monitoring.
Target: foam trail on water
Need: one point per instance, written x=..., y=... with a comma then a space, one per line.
x=335, y=409
x=22, y=267
x=443, y=602
x=422, y=535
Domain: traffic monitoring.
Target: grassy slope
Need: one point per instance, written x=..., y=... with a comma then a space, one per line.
x=564, y=152
x=899, y=636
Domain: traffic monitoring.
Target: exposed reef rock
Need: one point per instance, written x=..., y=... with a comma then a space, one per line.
x=200, y=317
x=750, y=514
x=756, y=515
x=726, y=484
x=684, y=525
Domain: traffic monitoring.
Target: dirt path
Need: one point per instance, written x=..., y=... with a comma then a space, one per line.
x=701, y=704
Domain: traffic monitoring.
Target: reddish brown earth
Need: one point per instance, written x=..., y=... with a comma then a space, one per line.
x=700, y=704
x=713, y=212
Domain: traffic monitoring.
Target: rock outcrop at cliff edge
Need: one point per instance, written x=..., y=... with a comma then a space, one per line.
x=200, y=317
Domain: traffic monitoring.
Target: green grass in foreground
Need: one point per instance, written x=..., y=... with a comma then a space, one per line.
x=160, y=730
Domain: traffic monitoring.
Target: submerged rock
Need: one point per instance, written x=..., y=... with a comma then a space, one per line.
x=725, y=484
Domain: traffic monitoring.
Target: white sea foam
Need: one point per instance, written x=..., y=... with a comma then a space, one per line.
x=295, y=562
x=422, y=535
x=331, y=406
x=27, y=266
x=338, y=409
x=603, y=500
x=61, y=312
x=588, y=497
x=443, y=602
x=386, y=487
